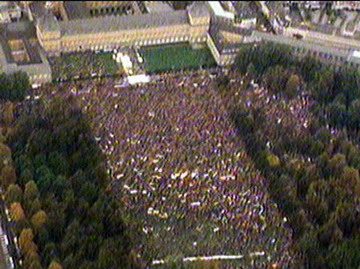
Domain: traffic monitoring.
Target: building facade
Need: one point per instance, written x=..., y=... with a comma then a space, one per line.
x=108, y=32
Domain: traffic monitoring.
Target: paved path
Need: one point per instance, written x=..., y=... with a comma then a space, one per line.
x=2, y=260
x=3, y=264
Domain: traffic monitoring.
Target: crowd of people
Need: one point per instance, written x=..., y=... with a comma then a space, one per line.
x=181, y=171
x=83, y=65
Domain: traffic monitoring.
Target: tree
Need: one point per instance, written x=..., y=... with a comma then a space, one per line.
x=32, y=262
x=345, y=216
x=17, y=212
x=2, y=137
x=25, y=175
x=31, y=191
x=345, y=254
x=58, y=163
x=338, y=114
x=70, y=239
x=330, y=233
x=55, y=265
x=337, y=164
x=50, y=253
x=33, y=206
x=354, y=113
x=316, y=200
x=275, y=79
x=273, y=160
x=13, y=194
x=7, y=176
x=5, y=152
x=251, y=71
x=89, y=192
x=350, y=180
x=8, y=114
x=292, y=85
x=110, y=249
x=26, y=238
x=19, y=86
x=39, y=219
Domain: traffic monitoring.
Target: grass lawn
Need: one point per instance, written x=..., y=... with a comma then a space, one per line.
x=175, y=57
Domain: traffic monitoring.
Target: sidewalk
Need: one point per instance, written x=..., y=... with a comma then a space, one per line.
x=3, y=248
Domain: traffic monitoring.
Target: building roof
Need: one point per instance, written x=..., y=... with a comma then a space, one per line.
x=306, y=45
x=217, y=31
x=24, y=31
x=198, y=9
x=37, y=8
x=6, y=5
x=157, y=7
x=76, y=10
x=243, y=10
x=37, y=64
x=48, y=22
x=219, y=10
x=18, y=30
x=116, y=23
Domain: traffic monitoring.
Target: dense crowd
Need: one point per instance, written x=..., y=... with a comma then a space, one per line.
x=182, y=172
x=83, y=65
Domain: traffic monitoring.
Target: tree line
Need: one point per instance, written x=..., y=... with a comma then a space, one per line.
x=314, y=177
x=14, y=86
x=55, y=182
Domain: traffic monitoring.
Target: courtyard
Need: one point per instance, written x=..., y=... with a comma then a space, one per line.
x=84, y=65
x=175, y=57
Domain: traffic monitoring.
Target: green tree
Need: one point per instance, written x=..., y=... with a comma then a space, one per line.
x=354, y=114
x=330, y=234
x=16, y=212
x=251, y=71
x=7, y=176
x=292, y=85
x=39, y=219
x=13, y=194
x=31, y=191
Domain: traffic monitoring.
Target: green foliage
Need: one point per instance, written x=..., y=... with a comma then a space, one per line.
x=59, y=163
x=14, y=86
x=262, y=57
x=319, y=197
x=13, y=194
x=273, y=160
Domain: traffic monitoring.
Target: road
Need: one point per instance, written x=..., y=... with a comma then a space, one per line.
x=12, y=249
x=2, y=260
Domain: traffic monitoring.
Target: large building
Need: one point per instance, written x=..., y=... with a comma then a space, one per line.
x=90, y=31
x=20, y=51
x=9, y=11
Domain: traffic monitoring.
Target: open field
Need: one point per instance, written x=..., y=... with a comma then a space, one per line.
x=175, y=57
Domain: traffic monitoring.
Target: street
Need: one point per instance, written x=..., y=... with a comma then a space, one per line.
x=8, y=248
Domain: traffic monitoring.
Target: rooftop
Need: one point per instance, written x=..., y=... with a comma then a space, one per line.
x=76, y=10
x=20, y=50
x=243, y=10
x=37, y=8
x=219, y=10
x=220, y=31
x=113, y=23
x=157, y=7
x=48, y=21
x=23, y=31
x=4, y=5
x=198, y=9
